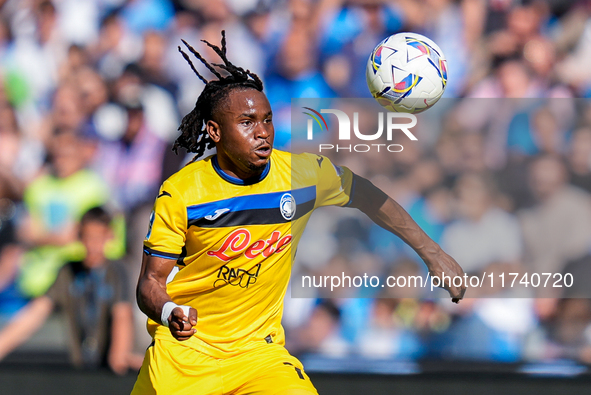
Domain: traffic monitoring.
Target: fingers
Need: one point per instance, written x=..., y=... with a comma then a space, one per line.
x=447, y=269
x=181, y=326
x=178, y=314
x=456, y=292
x=182, y=336
x=179, y=318
x=193, y=316
x=181, y=332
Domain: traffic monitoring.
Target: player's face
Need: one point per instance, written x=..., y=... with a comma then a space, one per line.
x=243, y=133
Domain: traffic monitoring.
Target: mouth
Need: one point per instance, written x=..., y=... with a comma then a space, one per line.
x=263, y=151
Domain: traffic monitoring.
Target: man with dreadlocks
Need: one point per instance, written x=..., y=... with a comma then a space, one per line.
x=221, y=237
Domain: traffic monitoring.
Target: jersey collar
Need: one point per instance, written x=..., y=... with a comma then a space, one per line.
x=236, y=180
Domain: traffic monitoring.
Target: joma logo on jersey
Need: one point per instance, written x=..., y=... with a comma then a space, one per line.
x=238, y=277
x=238, y=243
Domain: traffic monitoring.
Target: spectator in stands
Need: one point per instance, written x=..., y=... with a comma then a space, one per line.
x=537, y=131
x=20, y=160
x=387, y=335
x=115, y=47
x=558, y=228
x=345, y=30
x=510, y=79
x=54, y=203
x=579, y=158
x=143, y=15
x=93, y=294
x=564, y=334
x=483, y=233
x=67, y=114
x=64, y=63
x=11, y=299
x=296, y=75
x=321, y=333
x=57, y=199
x=131, y=165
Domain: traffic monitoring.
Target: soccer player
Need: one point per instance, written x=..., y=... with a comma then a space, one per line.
x=220, y=243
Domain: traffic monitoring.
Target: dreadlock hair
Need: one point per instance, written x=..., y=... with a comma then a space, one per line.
x=194, y=137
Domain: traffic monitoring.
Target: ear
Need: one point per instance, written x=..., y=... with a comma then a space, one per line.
x=213, y=129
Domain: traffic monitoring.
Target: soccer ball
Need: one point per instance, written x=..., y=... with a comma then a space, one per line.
x=407, y=72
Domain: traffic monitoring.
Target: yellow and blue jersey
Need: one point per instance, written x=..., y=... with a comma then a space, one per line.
x=233, y=243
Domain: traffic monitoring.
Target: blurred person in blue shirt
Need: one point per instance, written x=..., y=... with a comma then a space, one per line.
x=294, y=74
x=143, y=15
x=349, y=31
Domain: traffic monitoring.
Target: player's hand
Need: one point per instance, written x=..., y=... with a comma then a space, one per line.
x=442, y=265
x=181, y=326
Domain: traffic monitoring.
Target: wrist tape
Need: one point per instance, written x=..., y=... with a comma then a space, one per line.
x=167, y=310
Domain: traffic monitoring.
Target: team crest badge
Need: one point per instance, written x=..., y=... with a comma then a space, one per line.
x=287, y=206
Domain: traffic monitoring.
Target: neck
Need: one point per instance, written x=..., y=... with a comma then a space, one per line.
x=239, y=170
x=65, y=173
x=243, y=173
x=93, y=263
x=236, y=175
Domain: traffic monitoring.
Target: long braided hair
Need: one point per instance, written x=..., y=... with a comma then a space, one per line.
x=194, y=137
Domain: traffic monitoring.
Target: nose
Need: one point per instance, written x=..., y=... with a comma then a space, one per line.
x=262, y=131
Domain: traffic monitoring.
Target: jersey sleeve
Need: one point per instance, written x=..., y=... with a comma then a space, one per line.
x=168, y=224
x=334, y=185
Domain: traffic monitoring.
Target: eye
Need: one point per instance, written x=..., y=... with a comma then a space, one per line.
x=269, y=120
x=246, y=122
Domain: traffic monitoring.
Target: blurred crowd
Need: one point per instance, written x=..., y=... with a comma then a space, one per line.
x=527, y=213
x=92, y=94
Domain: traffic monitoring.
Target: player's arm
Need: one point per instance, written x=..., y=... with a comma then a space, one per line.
x=164, y=242
x=388, y=214
x=24, y=324
x=152, y=296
